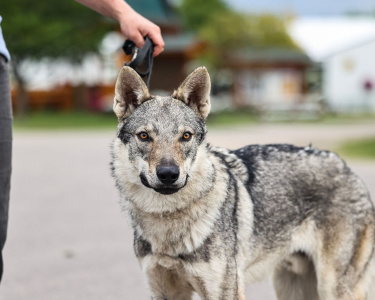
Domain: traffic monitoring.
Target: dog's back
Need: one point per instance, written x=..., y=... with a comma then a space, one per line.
x=311, y=202
x=290, y=184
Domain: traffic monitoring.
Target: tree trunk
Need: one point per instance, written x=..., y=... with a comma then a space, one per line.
x=22, y=104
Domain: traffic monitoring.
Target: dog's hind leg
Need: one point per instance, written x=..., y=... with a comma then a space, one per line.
x=371, y=281
x=295, y=279
x=344, y=262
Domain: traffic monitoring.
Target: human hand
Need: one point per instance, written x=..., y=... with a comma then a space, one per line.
x=135, y=28
x=133, y=25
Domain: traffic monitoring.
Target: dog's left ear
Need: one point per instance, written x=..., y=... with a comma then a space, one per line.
x=130, y=92
x=195, y=92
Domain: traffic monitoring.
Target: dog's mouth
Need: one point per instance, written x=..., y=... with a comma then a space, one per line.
x=145, y=181
x=165, y=190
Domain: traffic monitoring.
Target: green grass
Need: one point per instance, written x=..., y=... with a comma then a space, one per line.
x=46, y=120
x=347, y=119
x=359, y=149
x=231, y=118
x=364, y=149
x=65, y=120
x=246, y=116
x=86, y=120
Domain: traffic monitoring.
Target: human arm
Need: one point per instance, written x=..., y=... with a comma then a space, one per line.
x=133, y=25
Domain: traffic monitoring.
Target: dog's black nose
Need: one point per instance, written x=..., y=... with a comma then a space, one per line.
x=168, y=174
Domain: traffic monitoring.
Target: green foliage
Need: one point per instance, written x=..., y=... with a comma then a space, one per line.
x=224, y=29
x=227, y=30
x=232, y=30
x=270, y=32
x=197, y=13
x=45, y=28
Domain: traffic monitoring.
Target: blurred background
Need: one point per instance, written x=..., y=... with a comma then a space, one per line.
x=282, y=71
x=278, y=60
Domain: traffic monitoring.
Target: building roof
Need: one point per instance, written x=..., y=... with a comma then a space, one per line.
x=321, y=37
x=179, y=42
x=351, y=47
x=158, y=11
x=269, y=56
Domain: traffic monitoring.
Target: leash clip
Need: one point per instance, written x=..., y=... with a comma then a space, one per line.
x=139, y=55
x=135, y=54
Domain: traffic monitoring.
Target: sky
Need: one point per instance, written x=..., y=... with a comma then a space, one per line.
x=304, y=7
x=321, y=37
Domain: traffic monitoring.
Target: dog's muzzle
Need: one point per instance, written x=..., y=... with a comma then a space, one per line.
x=163, y=189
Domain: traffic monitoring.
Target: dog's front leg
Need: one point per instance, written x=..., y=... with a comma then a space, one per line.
x=166, y=283
x=217, y=279
x=227, y=290
x=223, y=291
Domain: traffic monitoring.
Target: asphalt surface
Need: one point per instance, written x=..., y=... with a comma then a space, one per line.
x=68, y=238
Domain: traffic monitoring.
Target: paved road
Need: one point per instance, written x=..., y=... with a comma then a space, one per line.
x=67, y=237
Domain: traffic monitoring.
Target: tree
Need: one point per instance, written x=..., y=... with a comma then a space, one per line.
x=197, y=13
x=232, y=30
x=224, y=29
x=38, y=29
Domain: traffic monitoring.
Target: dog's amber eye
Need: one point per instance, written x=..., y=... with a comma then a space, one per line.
x=186, y=136
x=143, y=136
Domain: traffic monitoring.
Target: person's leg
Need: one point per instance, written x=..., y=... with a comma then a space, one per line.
x=5, y=152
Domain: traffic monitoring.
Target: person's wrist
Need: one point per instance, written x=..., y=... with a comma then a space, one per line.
x=122, y=11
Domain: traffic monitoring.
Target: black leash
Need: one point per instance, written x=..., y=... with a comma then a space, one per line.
x=139, y=55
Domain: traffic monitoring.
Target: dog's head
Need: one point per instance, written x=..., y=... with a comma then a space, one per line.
x=159, y=137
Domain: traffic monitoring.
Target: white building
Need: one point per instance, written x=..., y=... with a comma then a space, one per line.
x=345, y=47
x=349, y=79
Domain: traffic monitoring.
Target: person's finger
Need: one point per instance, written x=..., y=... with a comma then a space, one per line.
x=158, y=50
x=158, y=41
x=138, y=39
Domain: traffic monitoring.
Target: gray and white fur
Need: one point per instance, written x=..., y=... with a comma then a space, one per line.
x=213, y=220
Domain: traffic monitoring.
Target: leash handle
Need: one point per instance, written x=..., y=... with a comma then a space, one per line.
x=139, y=55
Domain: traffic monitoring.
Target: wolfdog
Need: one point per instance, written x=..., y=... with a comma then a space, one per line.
x=211, y=220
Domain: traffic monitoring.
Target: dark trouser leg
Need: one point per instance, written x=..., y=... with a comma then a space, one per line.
x=5, y=152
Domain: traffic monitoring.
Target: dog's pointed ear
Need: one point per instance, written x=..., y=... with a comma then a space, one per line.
x=195, y=92
x=130, y=92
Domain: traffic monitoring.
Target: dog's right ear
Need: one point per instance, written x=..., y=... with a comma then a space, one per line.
x=130, y=92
